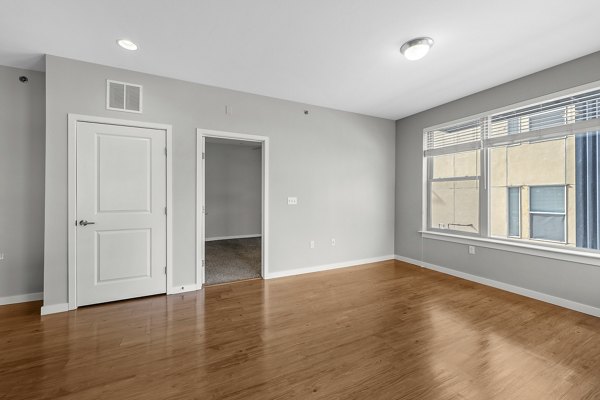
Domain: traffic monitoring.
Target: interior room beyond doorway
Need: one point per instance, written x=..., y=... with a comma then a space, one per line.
x=233, y=213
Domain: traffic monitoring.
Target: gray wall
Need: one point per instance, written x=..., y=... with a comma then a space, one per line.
x=21, y=181
x=233, y=190
x=577, y=282
x=340, y=165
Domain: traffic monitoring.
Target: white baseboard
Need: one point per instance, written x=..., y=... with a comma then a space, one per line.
x=63, y=307
x=547, y=298
x=21, y=298
x=326, y=267
x=184, y=288
x=211, y=239
x=55, y=308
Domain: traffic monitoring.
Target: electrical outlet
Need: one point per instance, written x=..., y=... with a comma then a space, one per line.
x=471, y=249
x=1, y=256
x=332, y=241
x=292, y=201
x=312, y=244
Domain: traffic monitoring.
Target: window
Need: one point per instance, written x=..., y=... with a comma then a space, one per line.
x=547, y=214
x=454, y=189
x=528, y=174
x=514, y=212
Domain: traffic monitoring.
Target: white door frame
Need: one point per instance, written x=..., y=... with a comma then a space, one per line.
x=73, y=119
x=201, y=134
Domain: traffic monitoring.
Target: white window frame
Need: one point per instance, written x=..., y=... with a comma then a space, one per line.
x=543, y=248
x=431, y=180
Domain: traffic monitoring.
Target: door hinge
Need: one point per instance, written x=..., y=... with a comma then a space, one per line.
x=165, y=151
x=202, y=263
x=165, y=210
x=165, y=270
x=203, y=155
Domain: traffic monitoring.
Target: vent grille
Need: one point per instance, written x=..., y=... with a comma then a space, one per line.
x=123, y=96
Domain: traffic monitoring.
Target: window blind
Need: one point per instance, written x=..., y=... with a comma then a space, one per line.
x=567, y=115
x=455, y=138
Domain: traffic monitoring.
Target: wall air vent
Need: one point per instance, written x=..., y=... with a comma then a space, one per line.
x=122, y=96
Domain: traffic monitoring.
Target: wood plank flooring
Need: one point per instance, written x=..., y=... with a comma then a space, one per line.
x=388, y=330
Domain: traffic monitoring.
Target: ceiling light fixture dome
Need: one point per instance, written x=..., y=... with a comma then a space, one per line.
x=127, y=44
x=416, y=49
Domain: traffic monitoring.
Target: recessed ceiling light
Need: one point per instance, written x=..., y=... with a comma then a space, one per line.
x=416, y=49
x=127, y=44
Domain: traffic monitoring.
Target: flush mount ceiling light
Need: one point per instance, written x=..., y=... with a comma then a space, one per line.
x=127, y=44
x=416, y=49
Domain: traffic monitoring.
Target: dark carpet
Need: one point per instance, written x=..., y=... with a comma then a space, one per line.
x=232, y=260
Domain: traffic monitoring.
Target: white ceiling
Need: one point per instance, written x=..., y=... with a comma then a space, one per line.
x=341, y=54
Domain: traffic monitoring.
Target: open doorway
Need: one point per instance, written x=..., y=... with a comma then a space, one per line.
x=232, y=209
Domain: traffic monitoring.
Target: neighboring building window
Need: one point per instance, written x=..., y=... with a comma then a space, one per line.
x=514, y=211
x=530, y=173
x=513, y=125
x=547, y=213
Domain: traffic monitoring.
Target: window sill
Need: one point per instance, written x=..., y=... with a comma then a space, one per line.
x=576, y=256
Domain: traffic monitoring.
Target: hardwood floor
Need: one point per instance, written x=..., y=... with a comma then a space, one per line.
x=381, y=331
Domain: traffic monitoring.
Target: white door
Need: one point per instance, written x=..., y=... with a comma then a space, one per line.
x=121, y=212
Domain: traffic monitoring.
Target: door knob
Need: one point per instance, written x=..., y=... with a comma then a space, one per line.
x=83, y=222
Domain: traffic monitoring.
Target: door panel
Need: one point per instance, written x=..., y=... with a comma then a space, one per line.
x=125, y=170
x=123, y=254
x=121, y=188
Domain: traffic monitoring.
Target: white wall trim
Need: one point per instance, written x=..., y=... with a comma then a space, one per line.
x=184, y=288
x=73, y=119
x=201, y=135
x=212, y=239
x=21, y=298
x=547, y=298
x=327, y=267
x=55, y=308
x=521, y=246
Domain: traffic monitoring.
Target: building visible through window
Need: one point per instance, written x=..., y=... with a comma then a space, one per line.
x=514, y=211
x=528, y=174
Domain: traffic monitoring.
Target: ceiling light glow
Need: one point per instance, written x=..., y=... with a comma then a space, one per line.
x=416, y=49
x=127, y=44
